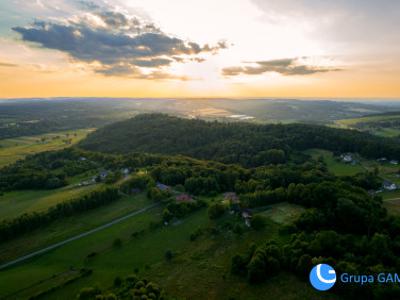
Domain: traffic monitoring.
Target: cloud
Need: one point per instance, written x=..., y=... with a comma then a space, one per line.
x=8, y=65
x=287, y=66
x=341, y=21
x=130, y=71
x=118, y=41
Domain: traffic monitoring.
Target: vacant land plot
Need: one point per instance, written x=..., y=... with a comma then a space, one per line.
x=334, y=164
x=14, y=149
x=393, y=205
x=283, y=213
x=16, y=203
x=70, y=226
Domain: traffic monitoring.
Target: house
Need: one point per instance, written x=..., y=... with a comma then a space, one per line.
x=233, y=200
x=232, y=197
x=389, y=186
x=162, y=187
x=382, y=159
x=125, y=171
x=246, y=215
x=347, y=158
x=394, y=162
x=82, y=158
x=87, y=182
x=103, y=174
x=184, y=198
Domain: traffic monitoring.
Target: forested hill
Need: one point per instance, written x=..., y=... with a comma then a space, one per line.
x=244, y=143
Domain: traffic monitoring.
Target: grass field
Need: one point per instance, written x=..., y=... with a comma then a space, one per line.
x=14, y=149
x=16, y=203
x=335, y=165
x=70, y=226
x=351, y=122
x=386, y=170
x=283, y=213
x=392, y=206
x=199, y=269
x=376, y=130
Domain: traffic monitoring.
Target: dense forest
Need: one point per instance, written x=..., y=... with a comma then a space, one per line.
x=247, y=144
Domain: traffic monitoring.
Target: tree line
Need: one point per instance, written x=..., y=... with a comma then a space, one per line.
x=247, y=144
x=28, y=222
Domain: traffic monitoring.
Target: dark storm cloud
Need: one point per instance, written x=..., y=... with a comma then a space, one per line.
x=287, y=66
x=119, y=42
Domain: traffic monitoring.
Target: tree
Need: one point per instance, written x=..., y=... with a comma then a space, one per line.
x=256, y=269
x=272, y=266
x=117, y=243
x=169, y=255
x=216, y=210
x=258, y=222
x=117, y=281
x=167, y=215
x=304, y=265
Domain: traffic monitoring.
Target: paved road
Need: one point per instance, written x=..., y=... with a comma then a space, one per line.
x=74, y=238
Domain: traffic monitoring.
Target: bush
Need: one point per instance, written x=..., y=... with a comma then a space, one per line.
x=169, y=255
x=216, y=210
x=88, y=293
x=238, y=229
x=258, y=222
x=117, y=243
x=117, y=281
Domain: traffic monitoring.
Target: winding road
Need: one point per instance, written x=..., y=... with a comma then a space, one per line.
x=76, y=237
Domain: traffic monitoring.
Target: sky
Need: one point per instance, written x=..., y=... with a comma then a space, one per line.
x=207, y=48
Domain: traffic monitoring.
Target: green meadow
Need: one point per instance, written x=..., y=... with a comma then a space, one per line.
x=369, y=124
x=70, y=226
x=14, y=149
x=199, y=269
x=334, y=164
x=16, y=203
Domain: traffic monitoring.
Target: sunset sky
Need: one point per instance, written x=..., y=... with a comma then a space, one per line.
x=207, y=48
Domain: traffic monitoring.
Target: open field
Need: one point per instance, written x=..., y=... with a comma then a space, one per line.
x=335, y=165
x=14, y=149
x=205, y=261
x=393, y=206
x=353, y=121
x=283, y=213
x=372, y=124
x=390, y=195
x=386, y=171
x=70, y=226
x=16, y=203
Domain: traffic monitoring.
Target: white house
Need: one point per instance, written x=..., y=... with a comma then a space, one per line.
x=347, y=157
x=389, y=186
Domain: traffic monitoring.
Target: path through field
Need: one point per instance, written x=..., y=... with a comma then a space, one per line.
x=76, y=237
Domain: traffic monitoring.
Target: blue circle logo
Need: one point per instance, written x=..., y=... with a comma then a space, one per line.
x=322, y=277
